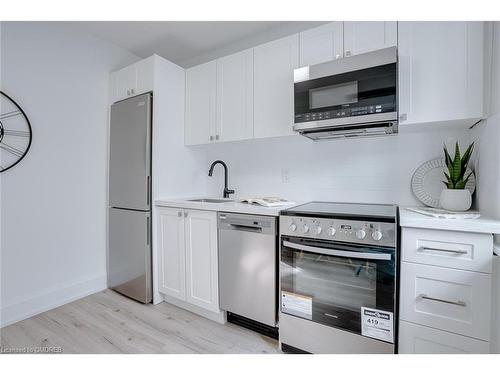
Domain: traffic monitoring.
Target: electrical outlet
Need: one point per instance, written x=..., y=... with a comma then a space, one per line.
x=285, y=175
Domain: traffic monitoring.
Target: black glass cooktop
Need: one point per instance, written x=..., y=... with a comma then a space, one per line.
x=334, y=209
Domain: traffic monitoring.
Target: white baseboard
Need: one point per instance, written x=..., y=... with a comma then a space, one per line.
x=29, y=305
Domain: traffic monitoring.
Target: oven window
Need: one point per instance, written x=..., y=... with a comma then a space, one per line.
x=333, y=95
x=332, y=289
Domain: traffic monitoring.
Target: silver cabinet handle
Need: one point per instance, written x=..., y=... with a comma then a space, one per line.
x=147, y=230
x=424, y=248
x=185, y=214
x=348, y=53
x=211, y=137
x=457, y=303
x=179, y=213
x=403, y=117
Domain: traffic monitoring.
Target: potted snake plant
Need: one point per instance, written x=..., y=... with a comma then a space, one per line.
x=455, y=197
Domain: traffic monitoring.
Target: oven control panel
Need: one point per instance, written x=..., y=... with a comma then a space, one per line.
x=352, y=231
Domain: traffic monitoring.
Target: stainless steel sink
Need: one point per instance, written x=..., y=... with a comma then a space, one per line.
x=211, y=200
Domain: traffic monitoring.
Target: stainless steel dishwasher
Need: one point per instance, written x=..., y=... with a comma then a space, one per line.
x=248, y=270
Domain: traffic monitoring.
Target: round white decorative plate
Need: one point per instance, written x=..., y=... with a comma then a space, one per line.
x=427, y=182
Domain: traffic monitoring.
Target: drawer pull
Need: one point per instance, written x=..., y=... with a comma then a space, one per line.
x=423, y=248
x=457, y=303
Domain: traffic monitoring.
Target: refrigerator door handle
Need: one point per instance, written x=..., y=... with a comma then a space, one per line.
x=148, y=190
x=147, y=231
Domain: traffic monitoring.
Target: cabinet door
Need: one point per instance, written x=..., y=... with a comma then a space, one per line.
x=235, y=97
x=171, y=253
x=452, y=300
x=366, y=36
x=274, y=63
x=200, y=103
x=417, y=339
x=201, y=259
x=124, y=80
x=145, y=76
x=440, y=71
x=467, y=251
x=321, y=44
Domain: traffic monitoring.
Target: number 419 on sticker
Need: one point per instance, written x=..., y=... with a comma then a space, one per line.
x=378, y=324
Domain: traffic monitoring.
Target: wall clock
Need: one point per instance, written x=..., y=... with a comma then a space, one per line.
x=15, y=133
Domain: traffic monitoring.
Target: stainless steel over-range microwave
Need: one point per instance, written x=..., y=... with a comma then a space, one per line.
x=348, y=97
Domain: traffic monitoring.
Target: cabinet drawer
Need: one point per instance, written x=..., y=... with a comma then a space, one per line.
x=467, y=251
x=452, y=300
x=416, y=339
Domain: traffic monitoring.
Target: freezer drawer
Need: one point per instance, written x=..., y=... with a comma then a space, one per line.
x=129, y=257
x=130, y=153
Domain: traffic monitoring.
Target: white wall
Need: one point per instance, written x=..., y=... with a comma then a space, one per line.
x=54, y=202
x=487, y=135
x=374, y=170
x=488, y=173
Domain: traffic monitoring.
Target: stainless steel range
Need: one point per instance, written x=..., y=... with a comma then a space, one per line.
x=338, y=272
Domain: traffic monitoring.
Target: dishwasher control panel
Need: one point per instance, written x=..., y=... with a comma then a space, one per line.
x=352, y=231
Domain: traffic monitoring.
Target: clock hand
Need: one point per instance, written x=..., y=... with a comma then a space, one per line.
x=9, y=114
x=11, y=149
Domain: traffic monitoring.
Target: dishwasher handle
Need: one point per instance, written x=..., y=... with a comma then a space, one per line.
x=247, y=223
x=245, y=228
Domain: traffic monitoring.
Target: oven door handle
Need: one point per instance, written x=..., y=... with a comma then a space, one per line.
x=338, y=253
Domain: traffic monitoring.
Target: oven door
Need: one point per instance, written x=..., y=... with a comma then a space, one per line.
x=331, y=283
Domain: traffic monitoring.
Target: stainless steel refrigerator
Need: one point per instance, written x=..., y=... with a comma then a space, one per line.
x=129, y=225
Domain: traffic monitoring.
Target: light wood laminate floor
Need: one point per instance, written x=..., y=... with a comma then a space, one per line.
x=108, y=322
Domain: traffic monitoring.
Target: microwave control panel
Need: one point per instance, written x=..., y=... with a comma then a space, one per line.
x=345, y=112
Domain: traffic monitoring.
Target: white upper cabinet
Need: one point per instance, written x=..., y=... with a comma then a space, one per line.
x=122, y=81
x=235, y=97
x=366, y=36
x=133, y=80
x=321, y=44
x=274, y=63
x=200, y=121
x=145, y=76
x=440, y=72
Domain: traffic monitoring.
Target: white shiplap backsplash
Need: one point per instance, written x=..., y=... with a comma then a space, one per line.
x=374, y=170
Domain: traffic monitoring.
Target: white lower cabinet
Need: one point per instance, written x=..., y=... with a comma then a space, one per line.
x=171, y=253
x=452, y=300
x=417, y=339
x=445, y=291
x=202, y=282
x=187, y=256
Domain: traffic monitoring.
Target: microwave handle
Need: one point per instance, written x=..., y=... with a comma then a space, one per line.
x=337, y=253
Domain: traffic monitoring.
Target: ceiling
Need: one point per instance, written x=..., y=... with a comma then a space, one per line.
x=188, y=43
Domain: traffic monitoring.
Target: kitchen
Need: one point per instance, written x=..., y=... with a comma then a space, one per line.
x=226, y=125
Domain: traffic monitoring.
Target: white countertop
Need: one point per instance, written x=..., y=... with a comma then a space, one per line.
x=482, y=224
x=228, y=206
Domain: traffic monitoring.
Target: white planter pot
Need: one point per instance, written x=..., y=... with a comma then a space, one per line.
x=455, y=199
